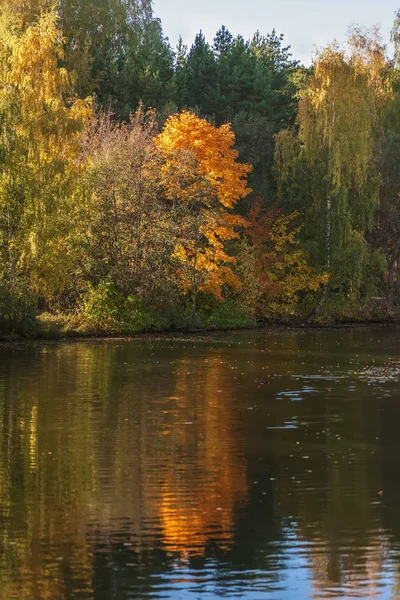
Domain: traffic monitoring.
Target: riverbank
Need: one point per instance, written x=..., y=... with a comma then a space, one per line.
x=43, y=335
x=224, y=317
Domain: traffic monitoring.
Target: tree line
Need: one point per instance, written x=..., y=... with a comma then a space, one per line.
x=224, y=184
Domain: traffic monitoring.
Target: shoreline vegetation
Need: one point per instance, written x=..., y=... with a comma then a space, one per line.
x=57, y=329
x=70, y=336
x=44, y=337
x=217, y=187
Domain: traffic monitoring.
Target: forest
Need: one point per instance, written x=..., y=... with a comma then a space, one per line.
x=222, y=185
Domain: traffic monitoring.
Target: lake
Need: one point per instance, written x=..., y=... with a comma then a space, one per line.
x=258, y=465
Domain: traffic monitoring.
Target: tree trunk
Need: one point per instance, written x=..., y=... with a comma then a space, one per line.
x=11, y=257
x=194, y=275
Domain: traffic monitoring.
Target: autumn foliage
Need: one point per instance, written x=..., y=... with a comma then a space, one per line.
x=272, y=265
x=124, y=225
x=203, y=179
x=42, y=124
x=219, y=175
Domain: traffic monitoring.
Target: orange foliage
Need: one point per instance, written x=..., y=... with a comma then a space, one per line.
x=203, y=179
x=212, y=149
x=197, y=508
x=273, y=267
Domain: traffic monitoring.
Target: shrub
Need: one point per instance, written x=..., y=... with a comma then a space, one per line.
x=229, y=315
x=108, y=311
x=17, y=311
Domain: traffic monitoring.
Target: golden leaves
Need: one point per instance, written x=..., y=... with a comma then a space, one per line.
x=43, y=127
x=341, y=105
x=210, y=150
x=202, y=175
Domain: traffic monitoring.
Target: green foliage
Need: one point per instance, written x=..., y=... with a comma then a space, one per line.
x=255, y=141
x=147, y=73
x=17, y=311
x=230, y=314
x=118, y=52
x=376, y=269
x=199, y=79
x=395, y=38
x=386, y=233
x=328, y=166
x=107, y=310
x=55, y=325
x=115, y=227
x=254, y=84
x=342, y=310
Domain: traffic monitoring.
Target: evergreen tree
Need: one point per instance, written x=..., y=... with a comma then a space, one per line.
x=282, y=74
x=147, y=73
x=180, y=80
x=201, y=84
x=222, y=42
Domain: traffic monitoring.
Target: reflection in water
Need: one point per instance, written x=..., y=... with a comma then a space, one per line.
x=207, y=477
x=100, y=454
x=249, y=465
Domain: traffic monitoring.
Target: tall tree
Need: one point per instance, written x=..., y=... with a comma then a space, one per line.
x=284, y=74
x=258, y=82
x=330, y=164
x=200, y=79
x=147, y=73
x=95, y=34
x=222, y=42
x=387, y=230
x=127, y=236
x=241, y=81
x=115, y=48
x=204, y=181
x=180, y=79
x=41, y=124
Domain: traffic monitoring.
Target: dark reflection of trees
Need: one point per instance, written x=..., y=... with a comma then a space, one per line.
x=116, y=463
x=119, y=462
x=327, y=469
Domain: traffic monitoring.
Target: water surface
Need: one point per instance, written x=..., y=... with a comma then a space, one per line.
x=246, y=465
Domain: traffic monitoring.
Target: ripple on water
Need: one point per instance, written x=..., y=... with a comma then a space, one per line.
x=377, y=375
x=134, y=471
x=296, y=395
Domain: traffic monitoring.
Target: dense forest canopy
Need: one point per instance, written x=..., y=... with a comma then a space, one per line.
x=148, y=187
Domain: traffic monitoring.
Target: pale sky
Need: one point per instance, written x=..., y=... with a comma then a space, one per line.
x=304, y=23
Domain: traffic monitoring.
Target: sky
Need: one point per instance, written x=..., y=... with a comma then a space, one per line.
x=306, y=24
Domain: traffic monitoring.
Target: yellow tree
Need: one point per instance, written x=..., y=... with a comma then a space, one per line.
x=25, y=12
x=41, y=125
x=330, y=163
x=204, y=181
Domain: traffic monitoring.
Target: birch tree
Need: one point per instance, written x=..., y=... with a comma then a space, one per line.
x=41, y=125
x=330, y=160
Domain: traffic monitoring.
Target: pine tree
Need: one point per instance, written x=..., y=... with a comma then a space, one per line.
x=201, y=81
